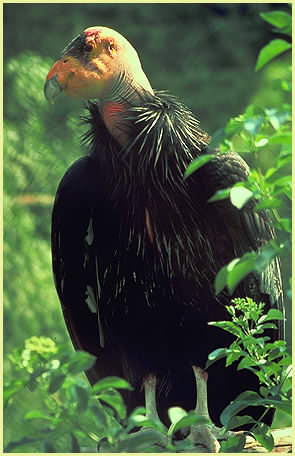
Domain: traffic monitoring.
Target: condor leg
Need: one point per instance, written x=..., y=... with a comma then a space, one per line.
x=203, y=435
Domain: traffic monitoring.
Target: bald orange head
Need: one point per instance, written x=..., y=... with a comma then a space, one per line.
x=93, y=64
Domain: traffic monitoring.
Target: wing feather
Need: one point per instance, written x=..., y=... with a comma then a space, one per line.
x=247, y=229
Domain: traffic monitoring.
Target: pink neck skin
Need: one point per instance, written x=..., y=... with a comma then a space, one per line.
x=111, y=111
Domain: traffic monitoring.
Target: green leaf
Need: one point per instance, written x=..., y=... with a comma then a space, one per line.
x=263, y=436
x=56, y=382
x=99, y=414
x=234, y=444
x=277, y=118
x=239, y=196
x=36, y=414
x=176, y=413
x=12, y=388
x=75, y=444
x=140, y=441
x=286, y=86
x=240, y=270
x=262, y=328
x=252, y=125
x=279, y=19
x=234, y=126
x=81, y=395
x=272, y=314
x=239, y=421
x=139, y=420
x=111, y=382
x=261, y=142
x=270, y=203
x=264, y=257
x=220, y=195
x=17, y=443
x=271, y=50
x=114, y=399
x=282, y=181
x=285, y=406
x=187, y=421
x=242, y=401
x=286, y=224
x=220, y=280
x=245, y=363
x=197, y=163
x=214, y=356
x=227, y=326
x=233, y=356
x=48, y=447
x=80, y=362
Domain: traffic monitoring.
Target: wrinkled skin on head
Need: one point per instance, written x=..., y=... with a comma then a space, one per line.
x=93, y=64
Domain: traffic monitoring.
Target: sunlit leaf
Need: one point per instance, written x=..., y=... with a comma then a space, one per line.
x=279, y=19
x=228, y=326
x=111, y=382
x=176, y=413
x=245, y=363
x=37, y=415
x=187, y=421
x=252, y=125
x=239, y=196
x=220, y=280
x=220, y=195
x=272, y=314
x=271, y=50
x=214, y=356
x=241, y=269
x=262, y=142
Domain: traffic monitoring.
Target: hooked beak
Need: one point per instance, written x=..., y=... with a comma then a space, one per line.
x=76, y=79
x=52, y=89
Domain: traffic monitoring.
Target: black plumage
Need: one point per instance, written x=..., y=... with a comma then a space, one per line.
x=136, y=248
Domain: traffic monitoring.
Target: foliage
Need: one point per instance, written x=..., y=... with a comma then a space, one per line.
x=257, y=131
x=78, y=418
x=253, y=350
x=39, y=145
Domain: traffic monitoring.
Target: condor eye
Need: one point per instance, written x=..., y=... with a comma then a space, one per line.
x=88, y=47
x=111, y=46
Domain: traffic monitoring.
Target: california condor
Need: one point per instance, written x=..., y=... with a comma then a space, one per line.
x=136, y=247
